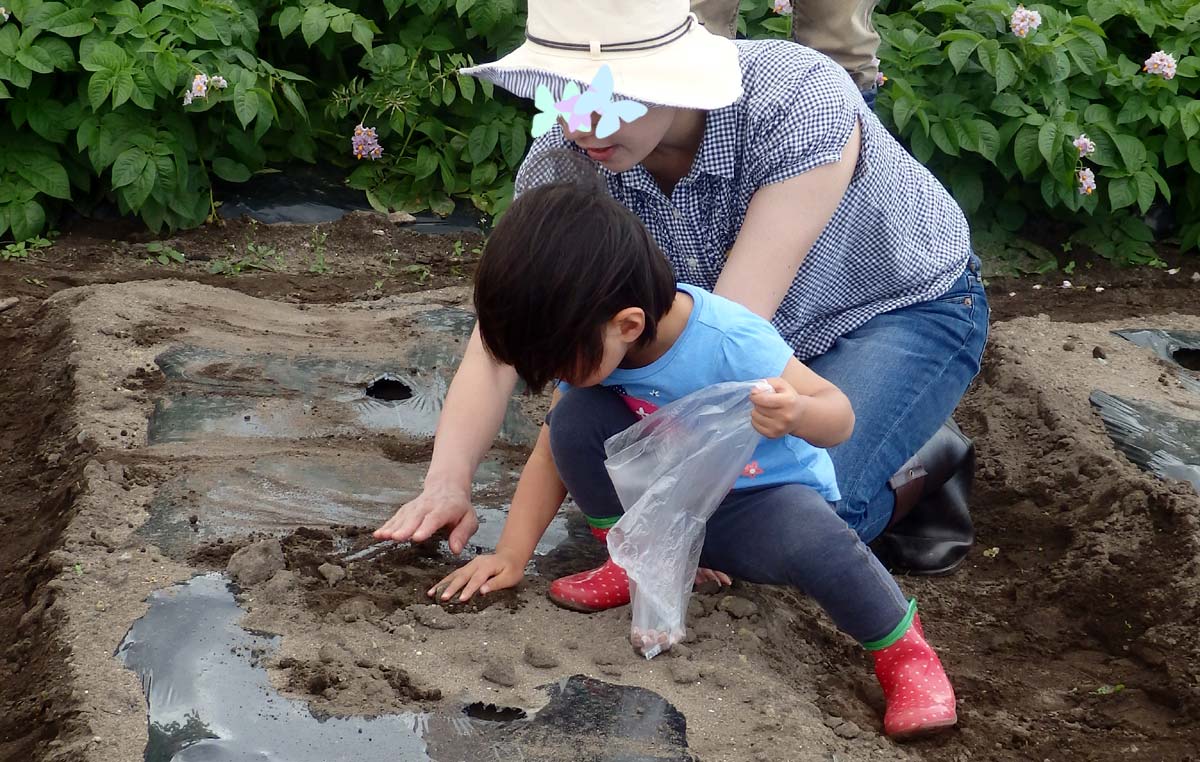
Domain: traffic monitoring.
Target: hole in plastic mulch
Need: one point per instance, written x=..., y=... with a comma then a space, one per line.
x=389, y=389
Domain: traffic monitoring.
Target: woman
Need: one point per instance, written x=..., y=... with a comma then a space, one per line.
x=766, y=179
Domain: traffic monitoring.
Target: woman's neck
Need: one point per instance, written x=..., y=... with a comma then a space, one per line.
x=670, y=328
x=672, y=158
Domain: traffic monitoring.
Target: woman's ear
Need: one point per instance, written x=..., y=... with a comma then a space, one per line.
x=630, y=324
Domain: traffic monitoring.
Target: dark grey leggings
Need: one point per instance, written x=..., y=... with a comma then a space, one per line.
x=781, y=535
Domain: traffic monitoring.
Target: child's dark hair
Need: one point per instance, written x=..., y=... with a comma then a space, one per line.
x=563, y=260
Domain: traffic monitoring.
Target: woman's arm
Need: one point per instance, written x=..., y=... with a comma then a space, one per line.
x=470, y=419
x=782, y=223
x=539, y=495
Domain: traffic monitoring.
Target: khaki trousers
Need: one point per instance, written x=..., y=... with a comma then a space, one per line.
x=841, y=29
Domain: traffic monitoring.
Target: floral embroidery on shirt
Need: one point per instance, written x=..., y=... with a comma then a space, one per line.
x=640, y=407
x=752, y=469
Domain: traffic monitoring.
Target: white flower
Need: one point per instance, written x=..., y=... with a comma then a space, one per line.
x=1084, y=144
x=1161, y=63
x=4, y=14
x=1024, y=21
x=188, y=98
x=783, y=7
x=218, y=82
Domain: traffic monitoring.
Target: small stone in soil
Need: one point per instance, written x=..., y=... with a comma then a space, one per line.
x=434, y=617
x=501, y=673
x=328, y=653
x=1068, y=346
x=1099, y=353
x=539, y=656
x=8, y=303
x=257, y=562
x=684, y=672
x=738, y=608
x=332, y=573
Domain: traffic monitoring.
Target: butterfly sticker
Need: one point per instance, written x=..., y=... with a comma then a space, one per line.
x=598, y=98
x=577, y=108
x=576, y=121
x=547, y=111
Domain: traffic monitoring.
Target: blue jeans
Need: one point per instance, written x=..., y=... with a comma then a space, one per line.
x=869, y=97
x=904, y=372
x=781, y=535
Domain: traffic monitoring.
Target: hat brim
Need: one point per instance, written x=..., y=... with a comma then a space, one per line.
x=699, y=70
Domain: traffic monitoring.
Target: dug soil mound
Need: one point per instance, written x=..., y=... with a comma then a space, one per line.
x=1069, y=633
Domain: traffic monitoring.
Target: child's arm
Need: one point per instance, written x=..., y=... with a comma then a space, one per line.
x=539, y=494
x=805, y=405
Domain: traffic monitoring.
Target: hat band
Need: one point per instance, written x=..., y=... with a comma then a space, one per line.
x=666, y=38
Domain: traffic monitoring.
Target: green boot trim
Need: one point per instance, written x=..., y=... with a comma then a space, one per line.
x=897, y=632
x=607, y=523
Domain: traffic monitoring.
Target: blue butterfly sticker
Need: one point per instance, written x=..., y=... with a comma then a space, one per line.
x=577, y=109
x=598, y=98
x=547, y=111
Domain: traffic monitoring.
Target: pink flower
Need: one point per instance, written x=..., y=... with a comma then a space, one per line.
x=752, y=469
x=783, y=7
x=880, y=78
x=1087, y=181
x=1024, y=21
x=366, y=143
x=1084, y=144
x=1162, y=64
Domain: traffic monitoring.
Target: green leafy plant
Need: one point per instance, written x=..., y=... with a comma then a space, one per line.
x=256, y=257
x=996, y=115
x=21, y=249
x=163, y=254
x=317, y=243
x=147, y=104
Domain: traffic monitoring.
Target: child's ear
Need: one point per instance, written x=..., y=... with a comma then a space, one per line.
x=630, y=324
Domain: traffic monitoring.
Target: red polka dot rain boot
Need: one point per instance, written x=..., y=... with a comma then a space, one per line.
x=606, y=587
x=920, y=700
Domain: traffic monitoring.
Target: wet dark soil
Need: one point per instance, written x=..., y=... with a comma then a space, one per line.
x=1079, y=597
x=395, y=577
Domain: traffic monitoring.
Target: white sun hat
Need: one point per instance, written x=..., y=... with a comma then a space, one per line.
x=658, y=52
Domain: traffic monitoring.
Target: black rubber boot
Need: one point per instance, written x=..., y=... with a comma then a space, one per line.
x=931, y=530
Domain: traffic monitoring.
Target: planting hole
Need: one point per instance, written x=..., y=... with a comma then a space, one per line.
x=493, y=713
x=1187, y=358
x=389, y=388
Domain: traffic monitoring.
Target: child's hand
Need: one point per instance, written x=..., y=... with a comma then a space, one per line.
x=483, y=574
x=777, y=412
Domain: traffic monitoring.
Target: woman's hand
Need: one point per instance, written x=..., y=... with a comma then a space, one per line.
x=777, y=412
x=483, y=574
x=436, y=507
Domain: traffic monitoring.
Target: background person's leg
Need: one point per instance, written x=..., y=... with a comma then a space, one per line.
x=904, y=372
x=718, y=16
x=790, y=535
x=842, y=30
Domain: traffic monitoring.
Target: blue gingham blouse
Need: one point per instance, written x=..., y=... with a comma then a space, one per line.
x=896, y=239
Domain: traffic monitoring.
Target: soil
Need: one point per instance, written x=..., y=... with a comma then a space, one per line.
x=1071, y=637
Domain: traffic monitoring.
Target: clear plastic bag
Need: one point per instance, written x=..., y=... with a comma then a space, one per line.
x=671, y=470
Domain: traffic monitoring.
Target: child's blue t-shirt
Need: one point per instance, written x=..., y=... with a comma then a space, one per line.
x=724, y=341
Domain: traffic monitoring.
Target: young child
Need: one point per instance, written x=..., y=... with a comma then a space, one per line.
x=571, y=286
